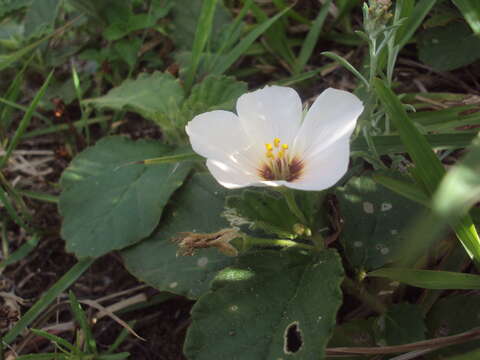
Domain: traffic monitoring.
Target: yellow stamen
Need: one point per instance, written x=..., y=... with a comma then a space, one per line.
x=280, y=154
x=284, y=146
x=276, y=142
x=270, y=155
x=269, y=147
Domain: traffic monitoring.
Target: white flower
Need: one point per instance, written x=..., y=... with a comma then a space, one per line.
x=270, y=143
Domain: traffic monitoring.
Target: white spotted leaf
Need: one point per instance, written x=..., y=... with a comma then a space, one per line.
x=270, y=305
x=373, y=219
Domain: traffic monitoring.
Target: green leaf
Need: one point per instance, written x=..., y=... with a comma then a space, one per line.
x=202, y=35
x=374, y=218
x=109, y=202
x=404, y=323
x=40, y=17
x=453, y=315
x=260, y=210
x=414, y=19
x=213, y=93
x=402, y=186
x=271, y=305
x=447, y=119
x=460, y=188
x=430, y=279
x=388, y=144
x=312, y=37
x=153, y=96
x=229, y=59
x=448, y=47
x=354, y=333
x=428, y=169
x=196, y=207
x=7, y=6
x=185, y=18
x=471, y=11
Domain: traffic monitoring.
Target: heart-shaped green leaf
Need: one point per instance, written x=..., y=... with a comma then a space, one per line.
x=110, y=202
x=196, y=207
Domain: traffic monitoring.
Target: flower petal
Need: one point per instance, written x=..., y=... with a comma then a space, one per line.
x=229, y=175
x=271, y=112
x=325, y=168
x=332, y=116
x=216, y=134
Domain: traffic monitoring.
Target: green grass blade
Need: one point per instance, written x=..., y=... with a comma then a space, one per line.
x=430, y=279
x=312, y=38
x=39, y=196
x=388, y=144
x=281, y=4
x=204, y=29
x=13, y=105
x=414, y=20
x=447, y=119
x=173, y=158
x=25, y=121
x=231, y=34
x=471, y=11
x=50, y=356
x=47, y=298
x=11, y=95
x=347, y=66
x=79, y=124
x=118, y=356
x=244, y=44
x=427, y=166
x=4, y=199
x=404, y=188
x=21, y=252
x=9, y=59
x=81, y=319
x=276, y=41
x=55, y=339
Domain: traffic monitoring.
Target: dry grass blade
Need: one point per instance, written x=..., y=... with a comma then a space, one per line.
x=110, y=314
x=420, y=345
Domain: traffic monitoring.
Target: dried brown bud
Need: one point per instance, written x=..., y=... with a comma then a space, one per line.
x=189, y=242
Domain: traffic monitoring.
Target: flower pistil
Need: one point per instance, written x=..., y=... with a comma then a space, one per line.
x=279, y=163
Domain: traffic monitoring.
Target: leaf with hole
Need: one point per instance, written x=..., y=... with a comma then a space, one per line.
x=269, y=305
x=109, y=202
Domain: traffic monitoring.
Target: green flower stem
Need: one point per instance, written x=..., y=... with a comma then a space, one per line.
x=254, y=241
x=357, y=290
